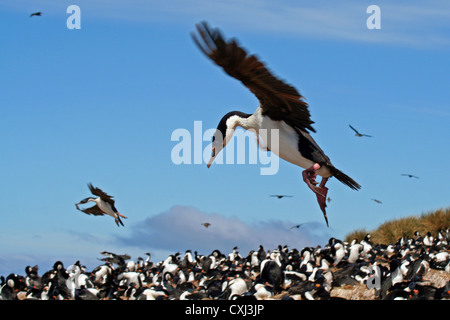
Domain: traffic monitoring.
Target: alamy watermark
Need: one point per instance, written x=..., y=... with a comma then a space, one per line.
x=236, y=147
x=372, y=22
x=190, y=149
x=74, y=20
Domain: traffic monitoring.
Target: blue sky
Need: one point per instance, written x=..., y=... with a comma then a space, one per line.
x=100, y=104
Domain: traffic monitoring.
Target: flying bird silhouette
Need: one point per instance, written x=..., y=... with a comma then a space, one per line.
x=377, y=201
x=104, y=204
x=206, y=224
x=410, y=175
x=36, y=14
x=280, y=196
x=281, y=108
x=297, y=226
x=359, y=134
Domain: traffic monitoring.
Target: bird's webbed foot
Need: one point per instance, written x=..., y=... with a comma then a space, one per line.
x=309, y=176
x=122, y=215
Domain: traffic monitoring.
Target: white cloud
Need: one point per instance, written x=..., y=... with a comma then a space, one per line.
x=175, y=230
x=180, y=228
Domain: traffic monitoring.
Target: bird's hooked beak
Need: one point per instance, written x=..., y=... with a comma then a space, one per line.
x=219, y=141
x=213, y=155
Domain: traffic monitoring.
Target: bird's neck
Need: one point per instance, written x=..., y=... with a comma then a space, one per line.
x=244, y=120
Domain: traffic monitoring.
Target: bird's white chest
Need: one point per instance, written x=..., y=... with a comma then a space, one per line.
x=282, y=140
x=105, y=207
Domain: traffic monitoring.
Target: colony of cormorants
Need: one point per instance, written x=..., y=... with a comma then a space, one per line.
x=414, y=267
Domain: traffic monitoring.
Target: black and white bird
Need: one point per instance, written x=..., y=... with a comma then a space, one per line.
x=359, y=135
x=281, y=107
x=104, y=204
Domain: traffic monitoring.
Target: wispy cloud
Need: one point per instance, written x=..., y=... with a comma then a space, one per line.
x=432, y=110
x=410, y=23
x=180, y=228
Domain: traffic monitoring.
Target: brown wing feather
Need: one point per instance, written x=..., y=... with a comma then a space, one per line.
x=279, y=100
x=94, y=210
x=98, y=192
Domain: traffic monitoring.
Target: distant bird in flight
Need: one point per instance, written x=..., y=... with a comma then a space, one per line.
x=410, y=175
x=281, y=107
x=359, y=134
x=297, y=226
x=280, y=196
x=104, y=204
x=206, y=224
x=329, y=199
x=377, y=201
x=37, y=14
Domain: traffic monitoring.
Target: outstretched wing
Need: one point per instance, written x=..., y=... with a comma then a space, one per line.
x=98, y=192
x=278, y=100
x=353, y=129
x=94, y=210
x=410, y=175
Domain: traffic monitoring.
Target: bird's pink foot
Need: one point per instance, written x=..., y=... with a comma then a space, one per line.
x=321, y=199
x=309, y=176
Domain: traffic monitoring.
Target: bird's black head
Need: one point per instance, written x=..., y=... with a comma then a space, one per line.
x=86, y=200
x=58, y=265
x=224, y=132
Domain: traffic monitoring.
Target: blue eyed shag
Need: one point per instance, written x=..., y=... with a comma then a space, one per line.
x=104, y=204
x=281, y=107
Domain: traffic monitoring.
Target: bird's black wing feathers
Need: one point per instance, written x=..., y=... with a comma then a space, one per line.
x=353, y=129
x=279, y=100
x=309, y=148
x=94, y=210
x=98, y=192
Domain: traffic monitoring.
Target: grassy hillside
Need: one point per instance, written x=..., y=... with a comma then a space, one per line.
x=391, y=231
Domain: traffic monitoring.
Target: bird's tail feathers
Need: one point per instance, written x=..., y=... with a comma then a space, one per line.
x=118, y=220
x=345, y=179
